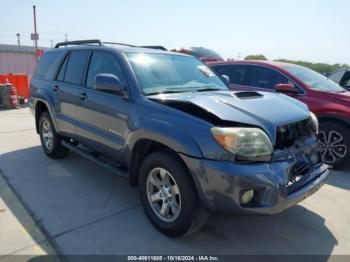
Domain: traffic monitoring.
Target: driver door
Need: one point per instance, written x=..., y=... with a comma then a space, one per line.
x=103, y=117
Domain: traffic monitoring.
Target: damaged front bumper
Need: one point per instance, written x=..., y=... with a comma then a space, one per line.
x=292, y=176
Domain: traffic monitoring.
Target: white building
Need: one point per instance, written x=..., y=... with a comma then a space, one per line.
x=17, y=59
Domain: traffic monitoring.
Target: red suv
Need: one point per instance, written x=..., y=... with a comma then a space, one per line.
x=329, y=101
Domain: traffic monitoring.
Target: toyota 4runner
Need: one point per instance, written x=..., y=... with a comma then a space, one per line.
x=171, y=126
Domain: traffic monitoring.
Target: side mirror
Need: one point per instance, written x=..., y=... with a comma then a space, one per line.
x=226, y=79
x=108, y=83
x=286, y=89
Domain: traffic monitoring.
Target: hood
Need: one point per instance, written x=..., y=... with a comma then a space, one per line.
x=262, y=109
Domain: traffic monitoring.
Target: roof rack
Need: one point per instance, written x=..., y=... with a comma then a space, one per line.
x=79, y=42
x=154, y=47
x=115, y=43
x=98, y=42
x=140, y=46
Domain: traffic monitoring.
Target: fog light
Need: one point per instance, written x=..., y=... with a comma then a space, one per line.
x=247, y=196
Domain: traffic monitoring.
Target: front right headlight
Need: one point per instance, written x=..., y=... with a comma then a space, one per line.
x=246, y=144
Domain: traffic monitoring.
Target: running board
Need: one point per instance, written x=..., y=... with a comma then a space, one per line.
x=115, y=169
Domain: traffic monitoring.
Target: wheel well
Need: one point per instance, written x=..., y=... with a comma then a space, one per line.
x=40, y=107
x=333, y=120
x=141, y=150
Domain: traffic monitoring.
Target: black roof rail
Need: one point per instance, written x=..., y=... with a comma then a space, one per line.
x=115, y=43
x=97, y=41
x=159, y=47
x=79, y=42
x=140, y=46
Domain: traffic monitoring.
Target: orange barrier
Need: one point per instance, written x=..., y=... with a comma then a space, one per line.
x=20, y=81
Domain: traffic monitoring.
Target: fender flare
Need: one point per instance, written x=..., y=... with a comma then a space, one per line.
x=44, y=97
x=161, y=132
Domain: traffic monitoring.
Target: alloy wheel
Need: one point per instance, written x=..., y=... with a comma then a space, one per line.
x=333, y=146
x=47, y=135
x=163, y=194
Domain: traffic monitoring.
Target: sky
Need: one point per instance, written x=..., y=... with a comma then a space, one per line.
x=310, y=30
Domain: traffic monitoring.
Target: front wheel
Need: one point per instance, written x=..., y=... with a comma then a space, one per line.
x=169, y=197
x=335, y=143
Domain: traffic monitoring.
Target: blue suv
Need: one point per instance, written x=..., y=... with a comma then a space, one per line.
x=170, y=125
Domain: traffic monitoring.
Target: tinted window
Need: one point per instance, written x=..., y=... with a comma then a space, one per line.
x=238, y=74
x=337, y=76
x=103, y=62
x=48, y=64
x=346, y=80
x=60, y=76
x=263, y=77
x=75, y=67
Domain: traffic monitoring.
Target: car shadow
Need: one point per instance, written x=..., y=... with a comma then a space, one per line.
x=85, y=209
x=340, y=177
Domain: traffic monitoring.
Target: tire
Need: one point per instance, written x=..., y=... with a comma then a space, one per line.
x=335, y=143
x=190, y=215
x=54, y=149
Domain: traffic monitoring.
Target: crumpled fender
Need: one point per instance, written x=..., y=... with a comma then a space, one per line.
x=164, y=133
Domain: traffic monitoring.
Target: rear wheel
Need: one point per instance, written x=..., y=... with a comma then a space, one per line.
x=50, y=140
x=169, y=197
x=335, y=143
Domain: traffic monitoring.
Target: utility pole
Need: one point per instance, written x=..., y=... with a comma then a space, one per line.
x=18, y=38
x=65, y=37
x=51, y=42
x=35, y=34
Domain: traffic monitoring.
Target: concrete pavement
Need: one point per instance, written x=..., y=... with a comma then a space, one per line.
x=85, y=209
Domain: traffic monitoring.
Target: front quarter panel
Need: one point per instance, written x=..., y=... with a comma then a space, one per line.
x=164, y=133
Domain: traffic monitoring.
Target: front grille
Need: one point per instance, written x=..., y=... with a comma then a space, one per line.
x=297, y=175
x=288, y=134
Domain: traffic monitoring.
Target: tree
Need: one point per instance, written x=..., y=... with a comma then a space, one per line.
x=255, y=57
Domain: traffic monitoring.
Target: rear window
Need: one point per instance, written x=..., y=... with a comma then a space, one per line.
x=47, y=65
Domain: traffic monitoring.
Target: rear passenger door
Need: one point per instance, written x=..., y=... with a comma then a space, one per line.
x=103, y=117
x=69, y=78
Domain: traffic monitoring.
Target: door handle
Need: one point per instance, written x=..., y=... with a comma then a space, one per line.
x=83, y=96
x=56, y=88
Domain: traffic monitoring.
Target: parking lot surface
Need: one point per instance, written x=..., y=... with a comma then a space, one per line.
x=84, y=209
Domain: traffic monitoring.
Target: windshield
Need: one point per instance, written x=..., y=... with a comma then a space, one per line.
x=166, y=73
x=314, y=79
